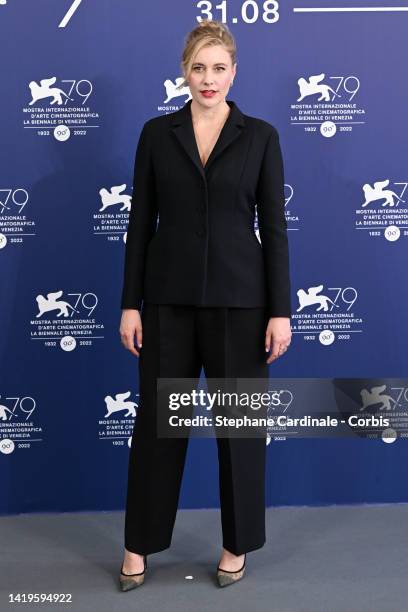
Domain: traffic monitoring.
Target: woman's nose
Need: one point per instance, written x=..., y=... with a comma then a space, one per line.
x=208, y=80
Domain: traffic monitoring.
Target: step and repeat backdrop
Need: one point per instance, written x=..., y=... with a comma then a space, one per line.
x=79, y=79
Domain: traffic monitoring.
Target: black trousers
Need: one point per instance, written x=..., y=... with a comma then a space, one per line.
x=177, y=341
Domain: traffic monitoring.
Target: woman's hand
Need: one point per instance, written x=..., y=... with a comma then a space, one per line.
x=278, y=334
x=131, y=326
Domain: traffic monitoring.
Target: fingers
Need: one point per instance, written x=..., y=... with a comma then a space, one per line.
x=139, y=337
x=128, y=339
x=279, y=347
x=268, y=340
x=277, y=351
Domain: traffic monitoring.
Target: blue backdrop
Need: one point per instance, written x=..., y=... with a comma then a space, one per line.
x=79, y=80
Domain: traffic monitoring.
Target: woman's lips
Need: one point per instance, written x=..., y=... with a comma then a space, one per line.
x=208, y=93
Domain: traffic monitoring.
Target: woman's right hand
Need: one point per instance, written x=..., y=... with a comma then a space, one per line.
x=131, y=326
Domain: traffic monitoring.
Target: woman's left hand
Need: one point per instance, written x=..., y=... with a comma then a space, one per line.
x=277, y=337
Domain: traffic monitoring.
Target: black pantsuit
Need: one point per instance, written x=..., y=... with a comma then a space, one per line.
x=177, y=341
x=206, y=288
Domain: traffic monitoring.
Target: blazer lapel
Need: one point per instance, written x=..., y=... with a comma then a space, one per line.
x=182, y=127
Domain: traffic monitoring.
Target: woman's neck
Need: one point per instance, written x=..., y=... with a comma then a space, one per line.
x=217, y=114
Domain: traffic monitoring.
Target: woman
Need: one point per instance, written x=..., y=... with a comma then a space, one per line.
x=212, y=295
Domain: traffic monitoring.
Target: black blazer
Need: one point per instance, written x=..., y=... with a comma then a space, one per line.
x=204, y=250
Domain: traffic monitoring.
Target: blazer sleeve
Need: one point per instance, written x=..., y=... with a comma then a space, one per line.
x=273, y=228
x=142, y=223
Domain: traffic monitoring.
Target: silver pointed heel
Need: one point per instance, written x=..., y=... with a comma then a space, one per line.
x=226, y=577
x=131, y=581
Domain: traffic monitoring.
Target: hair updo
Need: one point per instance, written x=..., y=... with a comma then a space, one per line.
x=208, y=33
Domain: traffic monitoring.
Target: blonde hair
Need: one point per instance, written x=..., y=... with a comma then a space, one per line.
x=208, y=33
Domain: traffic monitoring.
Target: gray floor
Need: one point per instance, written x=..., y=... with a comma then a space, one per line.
x=348, y=558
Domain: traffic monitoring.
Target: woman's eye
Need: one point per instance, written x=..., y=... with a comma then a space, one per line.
x=197, y=68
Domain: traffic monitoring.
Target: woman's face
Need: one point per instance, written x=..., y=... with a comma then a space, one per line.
x=211, y=71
